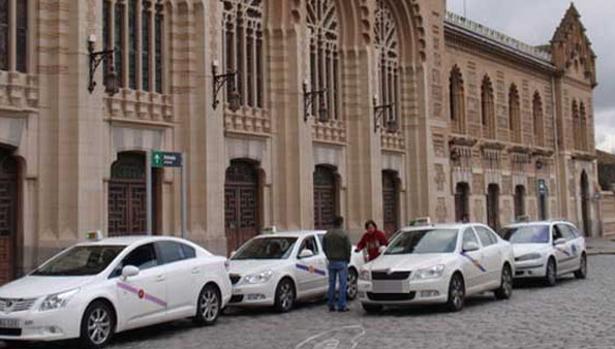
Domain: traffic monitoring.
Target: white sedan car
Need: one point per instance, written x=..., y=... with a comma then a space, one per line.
x=547, y=250
x=95, y=289
x=438, y=264
x=279, y=269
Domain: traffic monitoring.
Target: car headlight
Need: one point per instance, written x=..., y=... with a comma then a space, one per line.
x=365, y=275
x=429, y=273
x=57, y=300
x=259, y=278
x=529, y=257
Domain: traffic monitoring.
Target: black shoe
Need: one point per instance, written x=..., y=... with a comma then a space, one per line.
x=343, y=310
x=331, y=309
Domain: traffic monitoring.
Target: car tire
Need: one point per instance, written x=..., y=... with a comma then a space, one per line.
x=352, y=288
x=97, y=325
x=551, y=273
x=372, y=308
x=456, y=293
x=209, y=306
x=285, y=295
x=506, y=284
x=582, y=272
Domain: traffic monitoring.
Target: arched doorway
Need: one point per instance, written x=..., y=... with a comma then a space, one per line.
x=241, y=203
x=519, y=201
x=325, y=196
x=390, y=201
x=127, y=199
x=493, y=206
x=9, y=202
x=462, y=202
x=585, y=204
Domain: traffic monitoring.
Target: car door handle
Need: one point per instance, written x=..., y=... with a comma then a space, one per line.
x=196, y=270
x=160, y=278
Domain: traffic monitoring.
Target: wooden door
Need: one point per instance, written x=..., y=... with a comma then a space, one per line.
x=127, y=196
x=390, y=202
x=241, y=203
x=325, y=197
x=8, y=215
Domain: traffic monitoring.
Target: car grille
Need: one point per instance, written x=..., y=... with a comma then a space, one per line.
x=235, y=278
x=236, y=298
x=13, y=305
x=383, y=275
x=391, y=296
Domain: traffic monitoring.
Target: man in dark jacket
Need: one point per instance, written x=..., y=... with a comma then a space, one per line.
x=337, y=248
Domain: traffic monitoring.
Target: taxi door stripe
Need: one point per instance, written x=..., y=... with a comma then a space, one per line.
x=475, y=262
x=314, y=270
x=146, y=296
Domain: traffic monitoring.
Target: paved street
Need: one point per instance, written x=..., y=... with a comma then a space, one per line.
x=575, y=314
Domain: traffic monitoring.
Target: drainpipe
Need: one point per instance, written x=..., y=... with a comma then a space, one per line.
x=556, y=142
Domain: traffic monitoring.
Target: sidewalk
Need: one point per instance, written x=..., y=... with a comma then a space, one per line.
x=598, y=246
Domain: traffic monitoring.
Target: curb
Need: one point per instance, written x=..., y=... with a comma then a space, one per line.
x=601, y=253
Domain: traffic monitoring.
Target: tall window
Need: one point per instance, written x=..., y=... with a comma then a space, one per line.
x=519, y=201
x=457, y=100
x=16, y=43
x=514, y=110
x=242, y=31
x=387, y=46
x=539, y=134
x=134, y=28
x=583, y=127
x=324, y=56
x=487, y=108
x=576, y=122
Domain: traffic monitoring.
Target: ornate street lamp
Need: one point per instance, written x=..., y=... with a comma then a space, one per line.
x=95, y=58
x=219, y=80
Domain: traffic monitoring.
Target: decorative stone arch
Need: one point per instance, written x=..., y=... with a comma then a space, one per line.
x=457, y=100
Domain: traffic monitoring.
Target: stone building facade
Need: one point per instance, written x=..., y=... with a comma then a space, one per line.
x=364, y=108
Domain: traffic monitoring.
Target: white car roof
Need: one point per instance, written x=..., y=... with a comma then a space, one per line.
x=129, y=240
x=522, y=224
x=455, y=226
x=294, y=234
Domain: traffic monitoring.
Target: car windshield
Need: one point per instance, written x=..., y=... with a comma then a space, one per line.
x=423, y=241
x=527, y=234
x=80, y=261
x=266, y=248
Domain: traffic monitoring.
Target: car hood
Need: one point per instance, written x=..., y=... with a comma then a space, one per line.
x=38, y=286
x=251, y=266
x=408, y=261
x=523, y=249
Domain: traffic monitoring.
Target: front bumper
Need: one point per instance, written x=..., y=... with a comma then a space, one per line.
x=45, y=326
x=535, y=268
x=245, y=295
x=433, y=291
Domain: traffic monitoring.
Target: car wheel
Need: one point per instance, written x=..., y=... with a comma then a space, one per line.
x=209, y=306
x=456, y=293
x=285, y=296
x=372, y=308
x=551, y=276
x=352, y=288
x=97, y=325
x=506, y=285
x=582, y=272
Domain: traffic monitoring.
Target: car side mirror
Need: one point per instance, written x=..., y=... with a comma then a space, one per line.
x=306, y=253
x=470, y=246
x=559, y=241
x=129, y=271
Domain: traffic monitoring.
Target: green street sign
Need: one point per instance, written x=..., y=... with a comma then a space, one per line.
x=162, y=159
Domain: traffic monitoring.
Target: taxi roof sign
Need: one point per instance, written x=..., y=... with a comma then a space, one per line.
x=95, y=235
x=270, y=230
x=420, y=221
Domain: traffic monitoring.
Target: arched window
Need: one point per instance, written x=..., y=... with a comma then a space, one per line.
x=138, y=59
x=387, y=46
x=539, y=136
x=14, y=13
x=514, y=110
x=457, y=100
x=487, y=108
x=576, y=122
x=519, y=201
x=324, y=56
x=583, y=127
x=242, y=30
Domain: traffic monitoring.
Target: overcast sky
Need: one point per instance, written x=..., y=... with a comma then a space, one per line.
x=535, y=21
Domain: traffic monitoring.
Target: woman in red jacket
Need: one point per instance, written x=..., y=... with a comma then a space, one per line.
x=372, y=240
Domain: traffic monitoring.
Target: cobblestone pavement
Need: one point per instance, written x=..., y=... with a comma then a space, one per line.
x=574, y=314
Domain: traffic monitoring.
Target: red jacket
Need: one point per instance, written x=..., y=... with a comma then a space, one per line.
x=372, y=241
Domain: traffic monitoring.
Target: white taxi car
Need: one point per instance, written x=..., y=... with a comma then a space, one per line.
x=438, y=264
x=547, y=250
x=279, y=269
x=95, y=289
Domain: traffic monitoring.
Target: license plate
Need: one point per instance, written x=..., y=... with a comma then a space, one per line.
x=9, y=323
x=390, y=286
